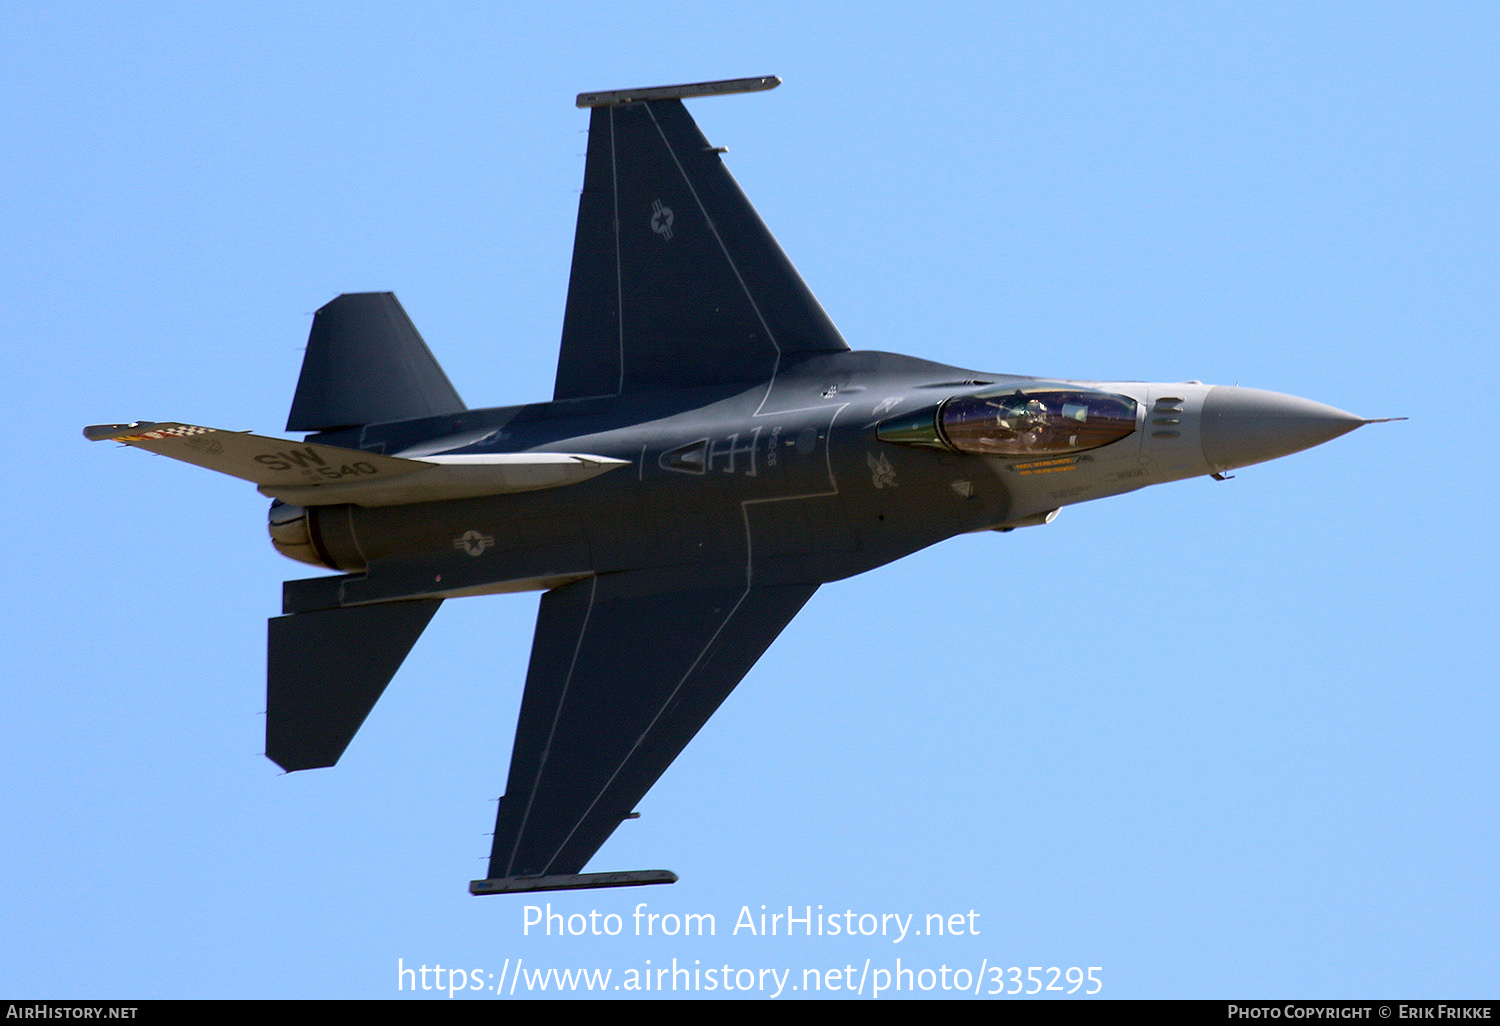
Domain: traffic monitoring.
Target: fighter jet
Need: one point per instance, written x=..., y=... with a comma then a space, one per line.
x=713, y=452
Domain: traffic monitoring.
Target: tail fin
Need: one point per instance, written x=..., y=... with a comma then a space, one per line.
x=366, y=364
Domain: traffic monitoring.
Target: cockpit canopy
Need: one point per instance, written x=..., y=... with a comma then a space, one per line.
x=1017, y=422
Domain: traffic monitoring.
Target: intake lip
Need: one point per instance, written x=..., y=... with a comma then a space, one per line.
x=1241, y=426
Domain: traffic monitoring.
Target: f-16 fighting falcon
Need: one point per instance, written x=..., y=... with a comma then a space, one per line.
x=712, y=453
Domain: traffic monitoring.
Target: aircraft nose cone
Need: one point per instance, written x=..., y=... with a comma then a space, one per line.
x=1241, y=426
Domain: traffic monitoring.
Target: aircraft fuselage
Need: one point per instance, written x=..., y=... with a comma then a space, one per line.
x=777, y=482
x=714, y=452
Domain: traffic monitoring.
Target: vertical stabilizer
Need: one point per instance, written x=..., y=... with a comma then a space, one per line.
x=366, y=364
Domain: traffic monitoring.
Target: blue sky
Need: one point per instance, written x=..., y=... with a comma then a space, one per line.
x=1218, y=739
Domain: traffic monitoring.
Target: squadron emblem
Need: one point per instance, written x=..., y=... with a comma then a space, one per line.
x=881, y=471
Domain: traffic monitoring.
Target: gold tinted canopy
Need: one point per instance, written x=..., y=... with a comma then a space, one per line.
x=1018, y=422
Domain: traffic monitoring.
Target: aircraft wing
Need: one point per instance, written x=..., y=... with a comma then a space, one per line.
x=676, y=282
x=625, y=668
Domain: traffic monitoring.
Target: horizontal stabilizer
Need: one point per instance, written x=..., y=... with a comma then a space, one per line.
x=366, y=364
x=312, y=474
x=571, y=881
x=326, y=670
